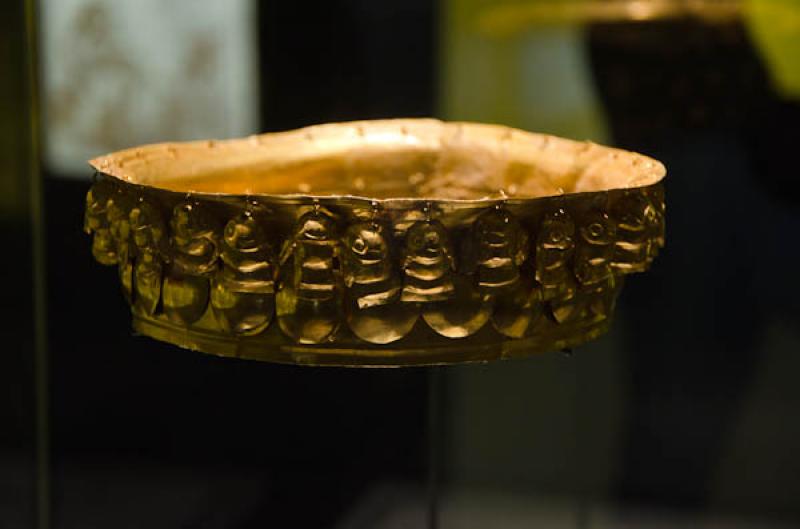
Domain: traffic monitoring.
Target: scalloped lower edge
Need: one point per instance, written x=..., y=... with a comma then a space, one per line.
x=383, y=357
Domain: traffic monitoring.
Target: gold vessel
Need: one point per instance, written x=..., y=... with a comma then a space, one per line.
x=376, y=243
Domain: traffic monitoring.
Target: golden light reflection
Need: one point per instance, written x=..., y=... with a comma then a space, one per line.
x=376, y=243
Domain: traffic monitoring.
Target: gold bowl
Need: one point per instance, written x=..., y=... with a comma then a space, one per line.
x=376, y=243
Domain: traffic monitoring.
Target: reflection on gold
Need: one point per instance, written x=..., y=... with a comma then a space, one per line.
x=461, y=242
x=387, y=159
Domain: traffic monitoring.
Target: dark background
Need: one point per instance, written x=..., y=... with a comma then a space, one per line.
x=17, y=370
x=703, y=357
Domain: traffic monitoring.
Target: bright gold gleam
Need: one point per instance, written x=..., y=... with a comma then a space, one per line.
x=376, y=243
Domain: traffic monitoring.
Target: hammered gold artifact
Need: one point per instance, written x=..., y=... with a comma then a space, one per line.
x=376, y=243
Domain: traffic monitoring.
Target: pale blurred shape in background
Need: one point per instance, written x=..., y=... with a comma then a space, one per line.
x=119, y=73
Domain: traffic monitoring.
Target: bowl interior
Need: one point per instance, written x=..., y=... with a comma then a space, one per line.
x=388, y=159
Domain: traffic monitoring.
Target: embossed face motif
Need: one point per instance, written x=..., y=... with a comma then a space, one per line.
x=194, y=239
x=147, y=226
x=243, y=233
x=655, y=195
x=502, y=246
x=634, y=212
x=496, y=230
x=118, y=214
x=314, y=227
x=184, y=225
x=97, y=205
x=190, y=226
x=655, y=221
x=593, y=256
x=558, y=231
x=367, y=243
x=428, y=240
x=598, y=229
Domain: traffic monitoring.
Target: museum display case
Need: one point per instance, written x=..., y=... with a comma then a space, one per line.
x=220, y=213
